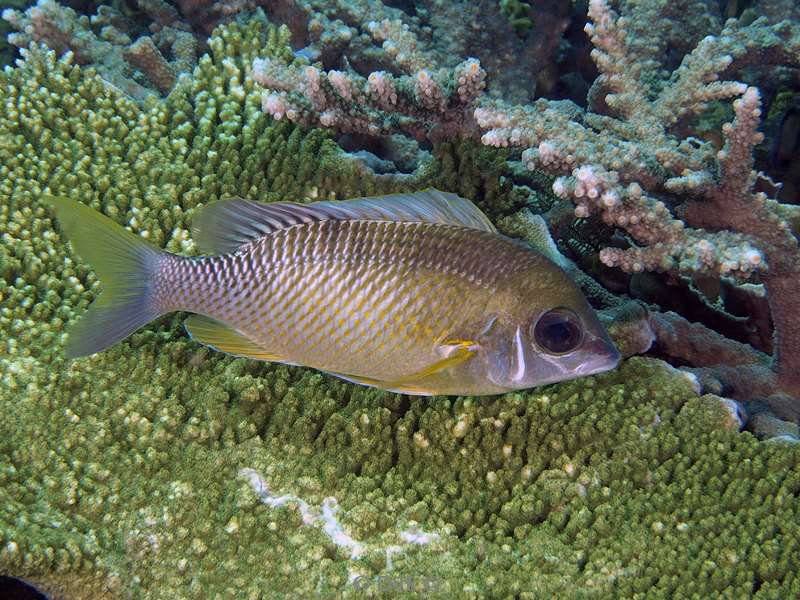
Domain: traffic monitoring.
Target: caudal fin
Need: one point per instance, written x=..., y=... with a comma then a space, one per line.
x=126, y=266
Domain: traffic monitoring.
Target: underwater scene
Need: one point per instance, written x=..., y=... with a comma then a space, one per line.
x=399, y=299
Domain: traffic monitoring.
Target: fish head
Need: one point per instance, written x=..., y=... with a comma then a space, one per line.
x=553, y=337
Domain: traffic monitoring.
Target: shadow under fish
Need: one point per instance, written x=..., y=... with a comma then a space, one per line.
x=413, y=293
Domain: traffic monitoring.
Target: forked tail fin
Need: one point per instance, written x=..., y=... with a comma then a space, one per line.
x=126, y=266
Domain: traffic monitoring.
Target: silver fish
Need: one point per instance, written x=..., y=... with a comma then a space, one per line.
x=413, y=293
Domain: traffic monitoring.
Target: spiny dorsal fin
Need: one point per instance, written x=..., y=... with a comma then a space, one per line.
x=226, y=225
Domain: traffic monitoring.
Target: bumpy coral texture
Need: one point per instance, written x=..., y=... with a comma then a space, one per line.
x=160, y=469
x=134, y=485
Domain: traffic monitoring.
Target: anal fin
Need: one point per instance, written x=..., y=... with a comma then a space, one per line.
x=221, y=337
x=412, y=389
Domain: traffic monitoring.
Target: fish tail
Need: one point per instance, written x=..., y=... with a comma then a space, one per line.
x=127, y=267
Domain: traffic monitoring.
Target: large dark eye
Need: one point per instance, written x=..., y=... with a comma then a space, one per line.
x=558, y=331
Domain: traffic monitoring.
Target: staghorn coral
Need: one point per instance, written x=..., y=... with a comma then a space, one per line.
x=363, y=34
x=637, y=138
x=682, y=24
x=403, y=38
x=728, y=230
x=435, y=105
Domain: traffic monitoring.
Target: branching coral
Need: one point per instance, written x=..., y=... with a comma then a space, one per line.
x=628, y=158
x=105, y=42
x=425, y=105
x=370, y=35
x=730, y=231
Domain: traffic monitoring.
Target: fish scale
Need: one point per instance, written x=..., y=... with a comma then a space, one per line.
x=379, y=267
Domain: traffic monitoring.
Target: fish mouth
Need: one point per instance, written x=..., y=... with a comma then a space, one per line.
x=604, y=356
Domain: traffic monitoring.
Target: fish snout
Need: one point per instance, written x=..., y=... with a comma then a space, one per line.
x=600, y=355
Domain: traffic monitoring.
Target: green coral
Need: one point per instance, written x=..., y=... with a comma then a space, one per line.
x=518, y=14
x=473, y=171
x=619, y=484
x=121, y=473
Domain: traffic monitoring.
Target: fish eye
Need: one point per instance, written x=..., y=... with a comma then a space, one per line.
x=558, y=331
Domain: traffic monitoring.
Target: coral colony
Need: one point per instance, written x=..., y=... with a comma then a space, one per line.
x=648, y=147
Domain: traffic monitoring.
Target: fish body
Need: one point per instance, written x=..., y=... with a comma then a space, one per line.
x=411, y=293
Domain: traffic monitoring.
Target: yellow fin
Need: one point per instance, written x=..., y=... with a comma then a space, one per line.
x=411, y=384
x=389, y=386
x=463, y=350
x=224, y=338
x=126, y=266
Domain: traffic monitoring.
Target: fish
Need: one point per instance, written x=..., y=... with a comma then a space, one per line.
x=414, y=293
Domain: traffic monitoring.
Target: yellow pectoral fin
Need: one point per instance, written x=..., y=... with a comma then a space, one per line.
x=225, y=339
x=414, y=383
x=462, y=351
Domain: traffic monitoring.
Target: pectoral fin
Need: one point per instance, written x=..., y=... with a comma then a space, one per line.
x=461, y=351
x=225, y=339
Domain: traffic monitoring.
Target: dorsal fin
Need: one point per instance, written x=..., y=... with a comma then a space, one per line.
x=226, y=225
